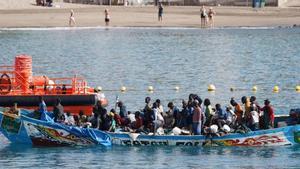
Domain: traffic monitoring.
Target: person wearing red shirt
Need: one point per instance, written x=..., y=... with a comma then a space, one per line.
x=268, y=115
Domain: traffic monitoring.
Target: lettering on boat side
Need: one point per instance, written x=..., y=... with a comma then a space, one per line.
x=10, y=124
x=156, y=143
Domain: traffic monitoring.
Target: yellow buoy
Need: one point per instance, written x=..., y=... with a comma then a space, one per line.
x=211, y=87
x=298, y=88
x=123, y=89
x=150, y=88
x=177, y=88
x=99, y=89
x=276, y=89
x=254, y=88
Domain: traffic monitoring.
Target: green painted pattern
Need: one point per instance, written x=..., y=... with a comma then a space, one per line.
x=297, y=137
x=10, y=124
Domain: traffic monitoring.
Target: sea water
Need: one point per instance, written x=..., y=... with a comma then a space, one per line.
x=163, y=58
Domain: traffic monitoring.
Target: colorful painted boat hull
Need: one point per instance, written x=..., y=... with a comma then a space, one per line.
x=289, y=135
x=25, y=130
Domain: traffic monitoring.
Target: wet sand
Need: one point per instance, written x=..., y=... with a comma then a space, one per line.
x=121, y=16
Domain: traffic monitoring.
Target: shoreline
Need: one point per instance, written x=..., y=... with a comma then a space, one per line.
x=174, y=16
x=146, y=27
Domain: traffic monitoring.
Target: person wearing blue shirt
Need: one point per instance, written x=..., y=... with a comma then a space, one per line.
x=222, y=116
x=123, y=112
x=42, y=105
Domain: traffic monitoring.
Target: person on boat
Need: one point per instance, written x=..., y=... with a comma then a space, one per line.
x=246, y=102
x=254, y=125
x=137, y=125
x=131, y=117
x=169, y=120
x=257, y=107
x=238, y=111
x=123, y=112
x=117, y=117
x=231, y=117
x=108, y=123
x=14, y=110
x=268, y=115
x=158, y=118
x=69, y=119
x=197, y=119
x=209, y=113
x=64, y=89
x=189, y=119
x=147, y=112
x=175, y=111
x=294, y=117
x=159, y=106
x=42, y=105
x=99, y=112
x=221, y=116
x=58, y=111
x=183, y=115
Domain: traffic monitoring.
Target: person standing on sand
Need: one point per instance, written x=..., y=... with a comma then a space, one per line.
x=203, y=16
x=106, y=17
x=211, y=14
x=160, y=11
x=72, y=18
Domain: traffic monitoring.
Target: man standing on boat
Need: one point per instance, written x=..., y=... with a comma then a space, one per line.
x=268, y=115
x=197, y=118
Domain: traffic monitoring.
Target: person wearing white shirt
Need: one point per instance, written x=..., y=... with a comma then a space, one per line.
x=254, y=119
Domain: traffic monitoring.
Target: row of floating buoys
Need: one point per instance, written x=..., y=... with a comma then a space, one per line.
x=210, y=88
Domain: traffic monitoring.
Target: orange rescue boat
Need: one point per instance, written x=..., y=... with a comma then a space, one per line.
x=18, y=85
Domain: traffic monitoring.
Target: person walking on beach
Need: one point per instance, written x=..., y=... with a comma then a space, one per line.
x=160, y=11
x=72, y=18
x=211, y=14
x=203, y=16
x=106, y=17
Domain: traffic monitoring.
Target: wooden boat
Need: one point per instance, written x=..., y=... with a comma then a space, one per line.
x=25, y=130
x=288, y=135
x=18, y=85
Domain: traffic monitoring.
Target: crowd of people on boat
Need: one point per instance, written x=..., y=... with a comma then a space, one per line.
x=196, y=116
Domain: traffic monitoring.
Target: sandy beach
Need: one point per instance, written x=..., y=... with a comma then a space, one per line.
x=30, y=15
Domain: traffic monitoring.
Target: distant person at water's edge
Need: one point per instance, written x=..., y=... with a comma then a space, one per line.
x=203, y=16
x=106, y=17
x=160, y=11
x=72, y=18
x=211, y=14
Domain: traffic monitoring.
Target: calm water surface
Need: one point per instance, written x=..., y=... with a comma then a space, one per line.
x=162, y=58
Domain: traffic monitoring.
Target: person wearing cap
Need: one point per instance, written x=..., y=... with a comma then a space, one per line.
x=268, y=115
